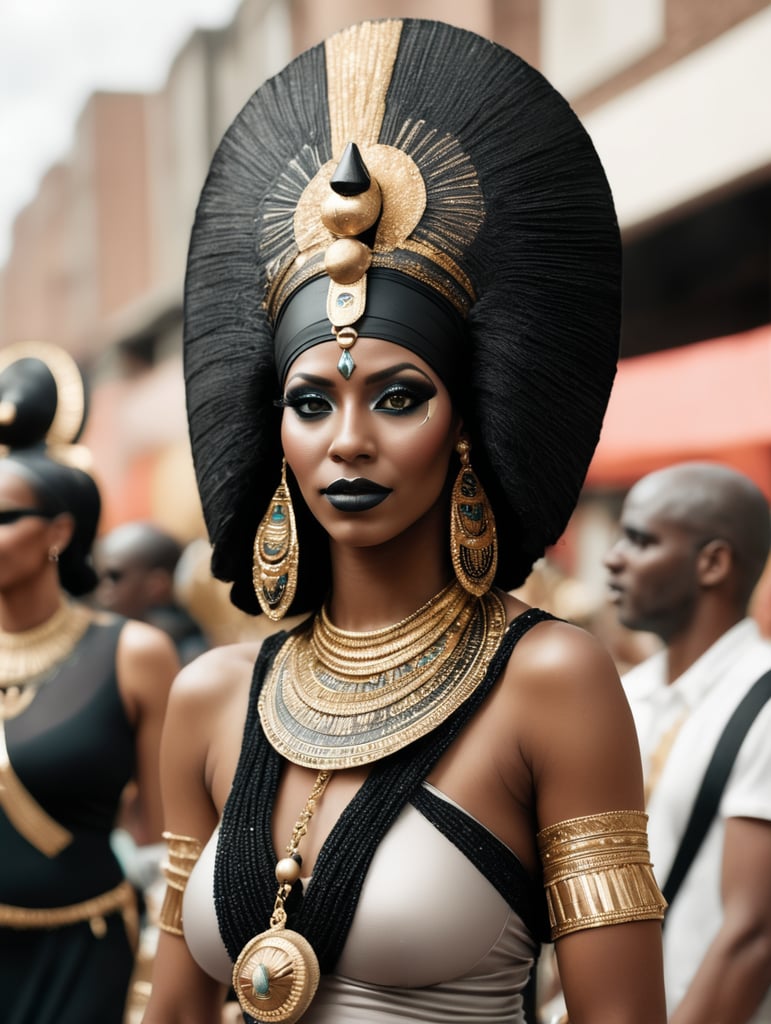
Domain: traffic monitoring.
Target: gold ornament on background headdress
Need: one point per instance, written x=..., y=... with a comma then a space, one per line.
x=473, y=540
x=71, y=401
x=70, y=414
x=276, y=554
x=277, y=972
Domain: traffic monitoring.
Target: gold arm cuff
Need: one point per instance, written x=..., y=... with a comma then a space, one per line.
x=597, y=871
x=122, y=898
x=184, y=851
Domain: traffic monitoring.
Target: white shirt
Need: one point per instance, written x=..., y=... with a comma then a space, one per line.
x=702, y=699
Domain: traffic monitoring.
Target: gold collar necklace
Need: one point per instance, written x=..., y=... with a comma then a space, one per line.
x=28, y=655
x=336, y=699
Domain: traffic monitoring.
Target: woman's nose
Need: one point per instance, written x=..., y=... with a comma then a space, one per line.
x=353, y=438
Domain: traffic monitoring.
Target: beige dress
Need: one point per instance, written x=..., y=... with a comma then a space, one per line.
x=432, y=940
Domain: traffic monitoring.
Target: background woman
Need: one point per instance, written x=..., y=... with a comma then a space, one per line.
x=82, y=698
x=401, y=331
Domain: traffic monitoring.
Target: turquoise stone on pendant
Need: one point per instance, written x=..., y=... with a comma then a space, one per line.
x=261, y=981
x=345, y=364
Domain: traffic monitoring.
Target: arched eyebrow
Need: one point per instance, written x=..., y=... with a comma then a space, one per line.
x=391, y=371
x=373, y=378
x=311, y=378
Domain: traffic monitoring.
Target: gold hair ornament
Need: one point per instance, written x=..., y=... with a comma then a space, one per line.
x=473, y=538
x=597, y=871
x=277, y=972
x=183, y=852
x=276, y=554
x=351, y=207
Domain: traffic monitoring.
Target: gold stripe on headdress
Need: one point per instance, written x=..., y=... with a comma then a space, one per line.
x=359, y=66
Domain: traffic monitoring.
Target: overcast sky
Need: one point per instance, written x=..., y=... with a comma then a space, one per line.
x=54, y=53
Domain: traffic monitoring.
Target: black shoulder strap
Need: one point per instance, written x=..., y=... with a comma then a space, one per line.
x=719, y=768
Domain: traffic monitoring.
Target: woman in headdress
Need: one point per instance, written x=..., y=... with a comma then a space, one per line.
x=402, y=316
x=82, y=699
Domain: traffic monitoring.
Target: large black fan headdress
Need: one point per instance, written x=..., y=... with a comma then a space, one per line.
x=491, y=223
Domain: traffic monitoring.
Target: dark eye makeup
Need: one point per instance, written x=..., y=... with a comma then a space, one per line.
x=402, y=397
x=307, y=404
x=398, y=398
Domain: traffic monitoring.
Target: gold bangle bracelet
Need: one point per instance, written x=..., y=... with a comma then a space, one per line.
x=597, y=871
x=184, y=851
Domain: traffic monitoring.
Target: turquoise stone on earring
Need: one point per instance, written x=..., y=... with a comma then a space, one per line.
x=345, y=364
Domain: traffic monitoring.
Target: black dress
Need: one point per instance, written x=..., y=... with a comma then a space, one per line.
x=72, y=750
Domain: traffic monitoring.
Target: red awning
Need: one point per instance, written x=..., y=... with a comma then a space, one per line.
x=710, y=400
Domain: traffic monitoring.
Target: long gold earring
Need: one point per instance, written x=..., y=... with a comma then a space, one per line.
x=276, y=554
x=473, y=541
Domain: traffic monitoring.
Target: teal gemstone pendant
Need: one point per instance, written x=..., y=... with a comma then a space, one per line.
x=345, y=364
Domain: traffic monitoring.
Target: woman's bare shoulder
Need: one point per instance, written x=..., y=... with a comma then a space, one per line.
x=557, y=654
x=574, y=729
x=215, y=674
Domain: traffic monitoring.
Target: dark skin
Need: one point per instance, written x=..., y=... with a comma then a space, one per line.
x=553, y=740
x=692, y=546
x=146, y=662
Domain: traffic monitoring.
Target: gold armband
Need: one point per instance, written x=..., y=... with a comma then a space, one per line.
x=184, y=851
x=597, y=871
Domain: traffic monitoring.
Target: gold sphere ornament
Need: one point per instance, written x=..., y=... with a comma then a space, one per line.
x=346, y=260
x=288, y=870
x=349, y=215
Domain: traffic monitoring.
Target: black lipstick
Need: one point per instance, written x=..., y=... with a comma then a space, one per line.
x=357, y=495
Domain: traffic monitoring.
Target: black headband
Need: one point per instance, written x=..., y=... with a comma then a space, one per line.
x=399, y=309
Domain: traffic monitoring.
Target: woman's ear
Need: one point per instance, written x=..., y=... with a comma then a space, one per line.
x=60, y=532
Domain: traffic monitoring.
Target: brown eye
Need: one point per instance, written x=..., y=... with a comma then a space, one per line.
x=403, y=398
x=396, y=402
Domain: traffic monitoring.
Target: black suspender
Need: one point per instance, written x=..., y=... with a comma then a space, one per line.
x=708, y=797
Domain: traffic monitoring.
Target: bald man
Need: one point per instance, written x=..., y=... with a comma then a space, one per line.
x=694, y=540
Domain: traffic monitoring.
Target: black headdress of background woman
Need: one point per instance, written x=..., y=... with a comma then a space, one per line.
x=42, y=414
x=491, y=217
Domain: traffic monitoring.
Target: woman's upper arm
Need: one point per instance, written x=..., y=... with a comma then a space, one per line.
x=579, y=738
x=189, y=730
x=182, y=993
x=146, y=664
x=581, y=745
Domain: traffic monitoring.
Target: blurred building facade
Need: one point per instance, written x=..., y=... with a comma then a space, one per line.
x=673, y=92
